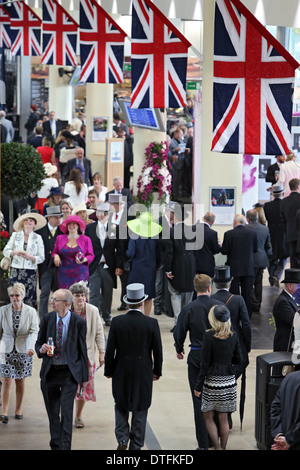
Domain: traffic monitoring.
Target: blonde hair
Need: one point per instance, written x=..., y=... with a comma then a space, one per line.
x=18, y=287
x=222, y=329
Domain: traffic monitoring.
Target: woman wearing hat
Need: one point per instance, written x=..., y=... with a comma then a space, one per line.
x=55, y=196
x=143, y=253
x=48, y=183
x=216, y=381
x=72, y=253
x=83, y=212
x=26, y=248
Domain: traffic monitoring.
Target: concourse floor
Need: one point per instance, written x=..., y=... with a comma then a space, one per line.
x=170, y=423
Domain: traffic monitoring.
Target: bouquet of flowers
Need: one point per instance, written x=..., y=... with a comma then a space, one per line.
x=156, y=176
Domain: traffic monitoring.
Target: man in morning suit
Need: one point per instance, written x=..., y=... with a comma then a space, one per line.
x=119, y=189
x=65, y=370
x=193, y=318
x=284, y=311
x=80, y=162
x=273, y=170
x=205, y=259
x=240, y=245
x=47, y=269
x=289, y=207
x=108, y=261
x=133, y=359
x=51, y=127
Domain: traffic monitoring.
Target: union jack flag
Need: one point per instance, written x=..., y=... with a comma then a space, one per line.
x=59, y=35
x=4, y=28
x=25, y=30
x=158, y=59
x=253, y=85
x=101, y=45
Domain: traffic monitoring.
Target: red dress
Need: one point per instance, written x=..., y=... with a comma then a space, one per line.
x=46, y=153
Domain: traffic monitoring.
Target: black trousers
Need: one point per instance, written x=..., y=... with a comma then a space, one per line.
x=243, y=286
x=134, y=433
x=59, y=390
x=200, y=426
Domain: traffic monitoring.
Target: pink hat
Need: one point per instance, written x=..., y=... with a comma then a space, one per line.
x=72, y=218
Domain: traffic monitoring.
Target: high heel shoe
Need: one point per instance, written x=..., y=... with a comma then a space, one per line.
x=4, y=419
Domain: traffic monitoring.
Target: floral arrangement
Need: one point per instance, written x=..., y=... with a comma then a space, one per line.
x=4, y=238
x=156, y=176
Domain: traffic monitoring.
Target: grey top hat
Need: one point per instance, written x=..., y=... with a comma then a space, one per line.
x=135, y=294
x=115, y=198
x=277, y=189
x=221, y=313
x=103, y=206
x=291, y=276
x=222, y=274
x=53, y=211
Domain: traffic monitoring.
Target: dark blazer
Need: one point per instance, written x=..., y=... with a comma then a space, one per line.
x=270, y=176
x=284, y=311
x=88, y=176
x=112, y=250
x=47, y=128
x=289, y=207
x=125, y=192
x=35, y=140
x=272, y=210
x=76, y=351
x=240, y=245
x=264, y=247
x=133, y=354
x=49, y=242
x=205, y=260
x=179, y=260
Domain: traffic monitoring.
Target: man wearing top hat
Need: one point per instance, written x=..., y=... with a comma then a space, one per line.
x=133, y=360
x=278, y=260
x=48, y=270
x=238, y=313
x=284, y=311
x=108, y=261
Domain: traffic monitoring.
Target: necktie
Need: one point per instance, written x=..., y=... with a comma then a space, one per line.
x=59, y=339
x=53, y=232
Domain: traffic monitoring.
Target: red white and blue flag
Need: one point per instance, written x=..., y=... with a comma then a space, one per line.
x=101, y=45
x=253, y=85
x=5, y=40
x=25, y=30
x=59, y=35
x=158, y=59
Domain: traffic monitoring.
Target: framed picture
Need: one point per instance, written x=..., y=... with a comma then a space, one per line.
x=222, y=201
x=99, y=128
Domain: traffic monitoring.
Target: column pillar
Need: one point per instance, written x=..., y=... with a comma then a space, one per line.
x=60, y=94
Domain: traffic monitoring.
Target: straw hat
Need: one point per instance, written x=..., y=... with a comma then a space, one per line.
x=19, y=222
x=82, y=207
x=72, y=218
x=144, y=226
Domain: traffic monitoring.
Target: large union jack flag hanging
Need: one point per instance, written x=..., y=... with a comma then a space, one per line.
x=4, y=28
x=101, y=45
x=253, y=85
x=158, y=59
x=25, y=30
x=59, y=35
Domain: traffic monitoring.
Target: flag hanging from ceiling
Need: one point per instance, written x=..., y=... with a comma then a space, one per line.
x=4, y=28
x=253, y=85
x=59, y=35
x=158, y=59
x=101, y=45
x=25, y=30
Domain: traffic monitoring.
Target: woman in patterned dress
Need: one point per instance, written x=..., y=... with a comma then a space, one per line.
x=95, y=341
x=216, y=381
x=72, y=252
x=18, y=334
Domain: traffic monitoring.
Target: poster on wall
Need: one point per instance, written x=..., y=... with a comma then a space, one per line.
x=222, y=204
x=99, y=128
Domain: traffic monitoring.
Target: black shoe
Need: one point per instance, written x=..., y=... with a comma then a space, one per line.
x=122, y=445
x=4, y=419
x=18, y=416
x=157, y=312
x=107, y=322
x=123, y=307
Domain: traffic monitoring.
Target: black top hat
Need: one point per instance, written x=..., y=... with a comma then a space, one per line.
x=221, y=313
x=291, y=276
x=222, y=274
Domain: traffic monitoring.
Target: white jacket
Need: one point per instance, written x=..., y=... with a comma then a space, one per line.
x=35, y=247
x=27, y=332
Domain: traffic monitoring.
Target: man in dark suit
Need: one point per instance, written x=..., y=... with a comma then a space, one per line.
x=108, y=261
x=240, y=245
x=133, y=359
x=205, y=259
x=119, y=189
x=284, y=311
x=278, y=260
x=289, y=207
x=179, y=264
x=128, y=154
x=260, y=258
x=62, y=372
x=194, y=318
x=80, y=162
x=273, y=170
x=35, y=139
x=47, y=269
x=52, y=127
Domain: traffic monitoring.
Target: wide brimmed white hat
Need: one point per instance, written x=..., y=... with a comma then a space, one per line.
x=19, y=222
x=82, y=207
x=50, y=169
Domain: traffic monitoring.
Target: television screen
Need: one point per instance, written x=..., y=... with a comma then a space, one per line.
x=148, y=118
x=75, y=79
